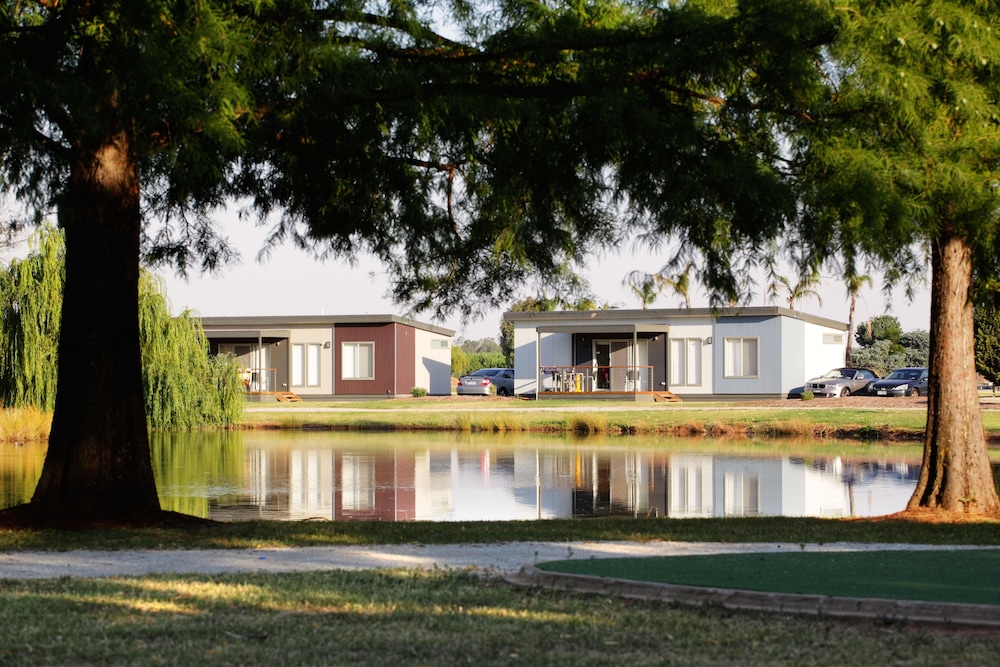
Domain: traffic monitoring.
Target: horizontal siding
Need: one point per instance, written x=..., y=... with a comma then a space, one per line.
x=384, y=380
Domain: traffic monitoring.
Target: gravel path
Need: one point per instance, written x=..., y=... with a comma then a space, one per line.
x=504, y=558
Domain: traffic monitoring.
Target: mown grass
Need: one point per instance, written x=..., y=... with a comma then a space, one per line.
x=423, y=618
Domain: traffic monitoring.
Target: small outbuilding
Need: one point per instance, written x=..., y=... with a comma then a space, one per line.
x=687, y=353
x=335, y=356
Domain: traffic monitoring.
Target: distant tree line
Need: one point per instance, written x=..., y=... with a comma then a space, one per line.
x=184, y=387
x=883, y=346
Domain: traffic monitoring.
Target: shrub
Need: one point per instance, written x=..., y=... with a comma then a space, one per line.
x=807, y=395
x=418, y=392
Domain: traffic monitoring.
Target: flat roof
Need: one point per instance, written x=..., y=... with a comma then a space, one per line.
x=660, y=316
x=285, y=322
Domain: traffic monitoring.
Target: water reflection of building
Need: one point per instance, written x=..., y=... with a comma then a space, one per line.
x=526, y=483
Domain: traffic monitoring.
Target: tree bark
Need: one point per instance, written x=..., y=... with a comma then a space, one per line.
x=98, y=466
x=955, y=475
x=849, y=352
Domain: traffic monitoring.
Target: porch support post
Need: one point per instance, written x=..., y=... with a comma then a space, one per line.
x=635, y=359
x=538, y=364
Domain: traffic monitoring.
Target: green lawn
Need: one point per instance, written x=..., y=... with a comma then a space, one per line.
x=963, y=576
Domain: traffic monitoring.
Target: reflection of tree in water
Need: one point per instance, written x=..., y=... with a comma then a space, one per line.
x=192, y=467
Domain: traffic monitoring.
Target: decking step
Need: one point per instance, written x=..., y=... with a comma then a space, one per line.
x=288, y=397
x=666, y=397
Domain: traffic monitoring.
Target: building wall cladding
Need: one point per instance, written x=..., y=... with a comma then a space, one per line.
x=394, y=361
x=406, y=358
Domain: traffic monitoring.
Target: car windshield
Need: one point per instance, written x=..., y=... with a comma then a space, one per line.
x=903, y=374
x=838, y=373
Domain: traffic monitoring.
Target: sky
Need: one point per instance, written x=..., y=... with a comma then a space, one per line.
x=290, y=282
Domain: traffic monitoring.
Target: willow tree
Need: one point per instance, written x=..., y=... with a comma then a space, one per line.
x=30, y=306
x=904, y=162
x=184, y=387
x=467, y=162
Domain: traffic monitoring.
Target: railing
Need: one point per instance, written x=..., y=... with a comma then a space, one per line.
x=259, y=380
x=591, y=379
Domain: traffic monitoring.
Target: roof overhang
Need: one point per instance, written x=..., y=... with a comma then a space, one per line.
x=254, y=335
x=616, y=328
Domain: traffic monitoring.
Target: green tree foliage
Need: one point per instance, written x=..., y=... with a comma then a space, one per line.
x=884, y=346
x=481, y=345
x=460, y=364
x=902, y=160
x=988, y=342
x=854, y=283
x=479, y=360
x=880, y=357
x=31, y=295
x=470, y=164
x=880, y=327
x=184, y=387
x=645, y=287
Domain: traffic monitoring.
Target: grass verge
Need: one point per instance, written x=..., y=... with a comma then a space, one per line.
x=407, y=618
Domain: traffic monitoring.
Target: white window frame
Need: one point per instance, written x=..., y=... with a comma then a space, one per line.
x=738, y=368
x=307, y=364
x=688, y=367
x=298, y=364
x=349, y=351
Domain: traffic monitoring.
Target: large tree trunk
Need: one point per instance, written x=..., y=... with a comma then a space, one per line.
x=955, y=475
x=98, y=466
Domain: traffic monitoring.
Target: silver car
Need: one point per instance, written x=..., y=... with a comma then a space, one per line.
x=842, y=382
x=479, y=382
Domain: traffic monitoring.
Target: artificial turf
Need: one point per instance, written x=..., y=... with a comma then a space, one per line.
x=970, y=576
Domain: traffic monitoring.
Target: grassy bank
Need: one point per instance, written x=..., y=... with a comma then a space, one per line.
x=789, y=420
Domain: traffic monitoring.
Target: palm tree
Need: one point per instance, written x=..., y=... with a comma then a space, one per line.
x=800, y=290
x=680, y=283
x=645, y=286
x=855, y=284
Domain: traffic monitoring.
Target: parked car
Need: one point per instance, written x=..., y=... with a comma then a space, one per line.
x=842, y=382
x=902, y=382
x=479, y=382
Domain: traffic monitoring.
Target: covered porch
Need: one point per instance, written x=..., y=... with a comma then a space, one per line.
x=262, y=357
x=624, y=361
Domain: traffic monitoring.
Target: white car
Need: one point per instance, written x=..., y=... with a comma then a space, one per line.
x=842, y=382
x=479, y=382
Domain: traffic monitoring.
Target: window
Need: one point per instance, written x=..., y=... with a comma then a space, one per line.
x=439, y=344
x=357, y=361
x=307, y=364
x=833, y=339
x=741, y=358
x=685, y=362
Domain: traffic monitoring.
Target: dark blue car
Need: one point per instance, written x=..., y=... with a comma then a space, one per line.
x=902, y=382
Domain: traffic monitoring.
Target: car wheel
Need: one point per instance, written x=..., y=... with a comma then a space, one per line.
x=914, y=392
x=502, y=391
x=845, y=392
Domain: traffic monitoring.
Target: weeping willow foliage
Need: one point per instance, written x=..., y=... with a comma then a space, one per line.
x=184, y=386
x=31, y=293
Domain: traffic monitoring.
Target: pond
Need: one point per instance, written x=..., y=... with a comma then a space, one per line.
x=296, y=475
